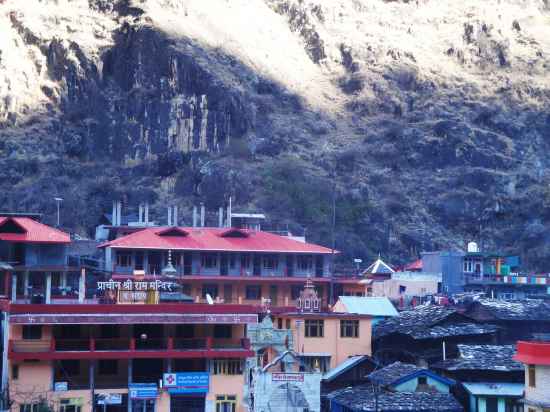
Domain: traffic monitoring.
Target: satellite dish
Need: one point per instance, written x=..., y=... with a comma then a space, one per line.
x=209, y=299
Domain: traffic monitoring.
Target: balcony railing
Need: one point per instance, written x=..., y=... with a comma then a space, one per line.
x=127, y=344
x=490, y=279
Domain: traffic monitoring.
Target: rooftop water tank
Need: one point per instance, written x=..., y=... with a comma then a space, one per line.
x=472, y=247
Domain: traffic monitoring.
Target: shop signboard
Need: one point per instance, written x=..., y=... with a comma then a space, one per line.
x=143, y=390
x=186, y=382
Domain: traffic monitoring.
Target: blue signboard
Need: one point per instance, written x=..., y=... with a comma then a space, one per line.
x=143, y=390
x=186, y=382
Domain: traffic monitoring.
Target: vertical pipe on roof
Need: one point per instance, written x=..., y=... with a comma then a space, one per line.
x=229, y=224
x=175, y=216
x=113, y=215
x=146, y=213
x=140, y=219
x=169, y=215
x=220, y=217
x=119, y=213
x=194, y=216
x=203, y=211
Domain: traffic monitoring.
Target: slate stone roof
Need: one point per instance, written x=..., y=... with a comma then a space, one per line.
x=483, y=357
x=423, y=322
x=362, y=398
x=532, y=309
x=393, y=372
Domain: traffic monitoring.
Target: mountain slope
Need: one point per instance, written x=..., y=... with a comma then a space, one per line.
x=429, y=120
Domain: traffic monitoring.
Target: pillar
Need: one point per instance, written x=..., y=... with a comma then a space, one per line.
x=13, y=287
x=92, y=383
x=64, y=283
x=48, y=288
x=82, y=286
x=26, y=283
x=6, y=339
x=130, y=372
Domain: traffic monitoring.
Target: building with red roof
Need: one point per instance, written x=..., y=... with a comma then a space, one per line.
x=231, y=265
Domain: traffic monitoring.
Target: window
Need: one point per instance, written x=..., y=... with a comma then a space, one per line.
x=227, y=367
x=245, y=261
x=70, y=405
x=349, y=328
x=279, y=323
x=15, y=372
x=123, y=259
x=422, y=380
x=532, y=376
x=232, y=260
x=316, y=362
x=139, y=261
x=314, y=328
x=70, y=367
x=295, y=291
x=70, y=408
x=305, y=262
x=288, y=324
x=222, y=331
x=211, y=290
x=33, y=407
x=253, y=292
x=270, y=262
x=107, y=367
x=209, y=260
x=226, y=403
x=32, y=332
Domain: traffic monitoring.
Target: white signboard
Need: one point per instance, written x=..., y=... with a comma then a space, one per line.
x=287, y=377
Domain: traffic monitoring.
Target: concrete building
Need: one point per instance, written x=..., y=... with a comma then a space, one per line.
x=170, y=322
x=536, y=358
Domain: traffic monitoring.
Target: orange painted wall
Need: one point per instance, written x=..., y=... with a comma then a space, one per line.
x=339, y=348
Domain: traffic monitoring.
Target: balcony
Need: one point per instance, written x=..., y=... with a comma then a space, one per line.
x=515, y=279
x=130, y=348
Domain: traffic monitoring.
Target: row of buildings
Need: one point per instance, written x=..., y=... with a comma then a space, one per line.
x=225, y=319
x=170, y=318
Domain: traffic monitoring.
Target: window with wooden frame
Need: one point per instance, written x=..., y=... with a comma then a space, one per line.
x=123, y=259
x=305, y=262
x=227, y=367
x=226, y=403
x=349, y=328
x=270, y=262
x=209, y=260
x=253, y=292
x=532, y=375
x=314, y=328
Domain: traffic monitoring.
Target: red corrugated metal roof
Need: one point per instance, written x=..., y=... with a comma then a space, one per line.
x=202, y=238
x=416, y=265
x=31, y=231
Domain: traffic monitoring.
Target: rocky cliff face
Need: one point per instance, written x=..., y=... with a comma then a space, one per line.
x=428, y=119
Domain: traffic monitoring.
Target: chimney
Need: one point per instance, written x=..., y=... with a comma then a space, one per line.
x=202, y=214
x=195, y=216
x=175, y=216
x=169, y=215
x=220, y=217
x=146, y=214
x=119, y=213
x=141, y=213
x=113, y=216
